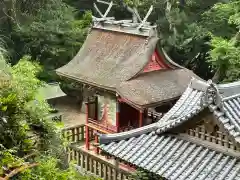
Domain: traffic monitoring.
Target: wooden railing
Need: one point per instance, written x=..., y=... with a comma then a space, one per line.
x=216, y=137
x=95, y=165
x=88, y=162
x=102, y=125
x=155, y=116
x=76, y=133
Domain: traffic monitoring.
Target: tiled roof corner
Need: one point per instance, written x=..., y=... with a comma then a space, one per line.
x=190, y=103
x=226, y=107
x=228, y=115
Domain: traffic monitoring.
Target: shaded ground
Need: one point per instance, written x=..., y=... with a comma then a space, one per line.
x=72, y=114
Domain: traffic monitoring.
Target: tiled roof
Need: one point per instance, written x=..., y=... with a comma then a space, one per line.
x=174, y=158
x=228, y=114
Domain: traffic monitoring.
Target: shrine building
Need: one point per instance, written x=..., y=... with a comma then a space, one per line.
x=133, y=80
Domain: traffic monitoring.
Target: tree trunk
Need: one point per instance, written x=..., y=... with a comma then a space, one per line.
x=217, y=76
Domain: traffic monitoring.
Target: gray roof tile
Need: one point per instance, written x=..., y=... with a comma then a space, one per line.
x=176, y=159
x=228, y=114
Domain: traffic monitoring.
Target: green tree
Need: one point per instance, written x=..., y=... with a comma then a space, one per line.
x=31, y=145
x=142, y=174
x=181, y=30
x=223, y=21
x=50, y=31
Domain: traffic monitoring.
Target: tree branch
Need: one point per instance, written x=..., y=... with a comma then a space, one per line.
x=19, y=170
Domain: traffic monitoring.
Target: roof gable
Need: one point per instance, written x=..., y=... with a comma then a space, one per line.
x=154, y=64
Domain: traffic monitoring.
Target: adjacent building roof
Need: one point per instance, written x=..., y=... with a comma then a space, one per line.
x=156, y=87
x=177, y=158
x=50, y=91
x=114, y=56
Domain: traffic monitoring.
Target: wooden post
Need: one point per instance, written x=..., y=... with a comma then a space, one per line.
x=116, y=164
x=96, y=141
x=87, y=129
x=96, y=108
x=140, y=118
x=117, y=114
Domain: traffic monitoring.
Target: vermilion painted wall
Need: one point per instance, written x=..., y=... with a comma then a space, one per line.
x=156, y=63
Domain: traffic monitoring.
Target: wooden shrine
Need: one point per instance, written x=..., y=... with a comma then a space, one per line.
x=133, y=80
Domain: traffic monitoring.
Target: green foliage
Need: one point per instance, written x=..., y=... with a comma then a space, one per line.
x=19, y=116
x=31, y=145
x=142, y=174
x=51, y=33
x=225, y=49
x=48, y=169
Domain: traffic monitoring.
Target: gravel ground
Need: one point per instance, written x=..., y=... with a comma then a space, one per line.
x=72, y=114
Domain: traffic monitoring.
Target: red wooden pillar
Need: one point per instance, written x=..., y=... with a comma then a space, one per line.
x=140, y=118
x=87, y=128
x=96, y=141
x=117, y=114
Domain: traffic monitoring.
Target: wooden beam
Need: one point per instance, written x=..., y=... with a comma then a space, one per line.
x=104, y=2
x=118, y=115
x=96, y=141
x=99, y=12
x=99, y=129
x=137, y=14
x=146, y=17
x=108, y=9
x=87, y=130
x=140, y=118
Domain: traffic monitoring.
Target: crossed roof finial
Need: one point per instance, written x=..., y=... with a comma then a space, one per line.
x=103, y=15
x=137, y=21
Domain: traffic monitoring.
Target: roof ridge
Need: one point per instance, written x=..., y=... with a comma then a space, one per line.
x=231, y=97
x=229, y=89
x=227, y=85
x=199, y=84
x=106, y=138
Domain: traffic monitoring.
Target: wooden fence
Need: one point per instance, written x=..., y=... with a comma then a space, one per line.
x=88, y=161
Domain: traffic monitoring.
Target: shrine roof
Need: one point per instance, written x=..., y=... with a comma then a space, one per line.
x=174, y=157
x=153, y=88
x=50, y=91
x=109, y=57
x=114, y=57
